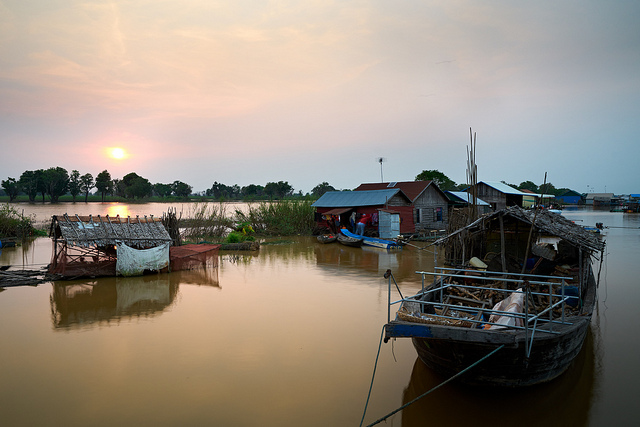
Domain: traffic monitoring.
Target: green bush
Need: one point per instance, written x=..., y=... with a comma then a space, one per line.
x=13, y=224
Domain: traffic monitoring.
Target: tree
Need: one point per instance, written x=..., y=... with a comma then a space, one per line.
x=438, y=177
x=56, y=182
x=28, y=183
x=320, y=189
x=10, y=187
x=162, y=190
x=180, y=189
x=41, y=186
x=221, y=191
x=74, y=184
x=528, y=185
x=86, y=184
x=135, y=186
x=278, y=190
x=104, y=183
x=252, y=191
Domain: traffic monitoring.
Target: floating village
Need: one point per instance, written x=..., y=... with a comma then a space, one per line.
x=509, y=307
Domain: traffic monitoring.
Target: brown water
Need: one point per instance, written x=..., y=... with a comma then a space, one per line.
x=287, y=336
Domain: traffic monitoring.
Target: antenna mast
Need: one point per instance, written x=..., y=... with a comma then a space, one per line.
x=381, y=160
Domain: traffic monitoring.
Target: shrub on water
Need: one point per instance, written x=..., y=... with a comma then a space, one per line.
x=233, y=237
x=13, y=224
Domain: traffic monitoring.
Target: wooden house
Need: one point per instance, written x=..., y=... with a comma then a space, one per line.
x=499, y=195
x=462, y=199
x=430, y=204
x=599, y=199
x=341, y=205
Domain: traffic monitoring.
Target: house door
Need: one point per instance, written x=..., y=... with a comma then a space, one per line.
x=389, y=225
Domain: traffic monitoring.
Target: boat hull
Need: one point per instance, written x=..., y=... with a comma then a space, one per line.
x=449, y=350
x=550, y=356
x=371, y=241
x=349, y=241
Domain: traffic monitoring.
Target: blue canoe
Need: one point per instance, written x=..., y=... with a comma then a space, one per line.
x=372, y=241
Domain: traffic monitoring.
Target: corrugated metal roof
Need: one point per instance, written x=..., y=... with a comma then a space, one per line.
x=466, y=197
x=412, y=189
x=338, y=199
x=504, y=188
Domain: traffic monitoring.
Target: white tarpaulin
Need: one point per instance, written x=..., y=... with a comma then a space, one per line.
x=133, y=262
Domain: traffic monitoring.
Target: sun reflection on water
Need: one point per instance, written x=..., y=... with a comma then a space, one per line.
x=118, y=209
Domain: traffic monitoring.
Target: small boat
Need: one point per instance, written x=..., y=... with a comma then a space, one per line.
x=525, y=329
x=350, y=241
x=7, y=243
x=372, y=241
x=327, y=238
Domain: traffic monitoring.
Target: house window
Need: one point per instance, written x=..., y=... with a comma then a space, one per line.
x=437, y=214
x=418, y=215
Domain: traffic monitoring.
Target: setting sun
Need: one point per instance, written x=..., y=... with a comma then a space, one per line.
x=117, y=153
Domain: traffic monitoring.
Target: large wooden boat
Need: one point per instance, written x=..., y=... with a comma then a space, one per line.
x=524, y=329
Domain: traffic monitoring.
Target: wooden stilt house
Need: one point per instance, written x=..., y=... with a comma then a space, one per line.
x=92, y=246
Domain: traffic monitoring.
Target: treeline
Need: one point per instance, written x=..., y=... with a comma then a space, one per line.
x=53, y=183
x=56, y=182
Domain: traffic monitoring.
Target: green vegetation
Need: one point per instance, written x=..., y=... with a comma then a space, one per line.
x=209, y=221
x=443, y=181
x=242, y=233
x=13, y=224
x=284, y=218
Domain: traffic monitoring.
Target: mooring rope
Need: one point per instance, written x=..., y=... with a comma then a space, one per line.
x=426, y=393
x=372, y=377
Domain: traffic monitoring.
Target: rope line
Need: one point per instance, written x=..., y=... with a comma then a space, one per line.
x=434, y=388
x=372, y=377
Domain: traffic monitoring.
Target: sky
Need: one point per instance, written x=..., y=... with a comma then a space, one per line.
x=250, y=92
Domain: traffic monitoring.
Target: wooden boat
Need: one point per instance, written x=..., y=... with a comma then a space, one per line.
x=327, y=238
x=524, y=328
x=372, y=241
x=349, y=241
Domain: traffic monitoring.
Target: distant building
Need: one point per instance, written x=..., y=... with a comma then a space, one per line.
x=599, y=199
x=461, y=199
x=570, y=197
x=499, y=195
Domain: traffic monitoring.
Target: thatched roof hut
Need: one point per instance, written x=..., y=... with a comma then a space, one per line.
x=506, y=232
x=97, y=231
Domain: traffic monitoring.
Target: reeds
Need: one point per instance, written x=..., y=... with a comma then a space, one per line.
x=206, y=221
x=282, y=218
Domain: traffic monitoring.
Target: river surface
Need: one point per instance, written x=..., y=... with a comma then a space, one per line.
x=286, y=336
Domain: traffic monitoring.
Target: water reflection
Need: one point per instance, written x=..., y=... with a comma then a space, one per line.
x=567, y=400
x=115, y=209
x=337, y=259
x=108, y=300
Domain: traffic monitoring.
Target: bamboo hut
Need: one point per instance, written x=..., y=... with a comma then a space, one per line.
x=92, y=246
x=506, y=241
